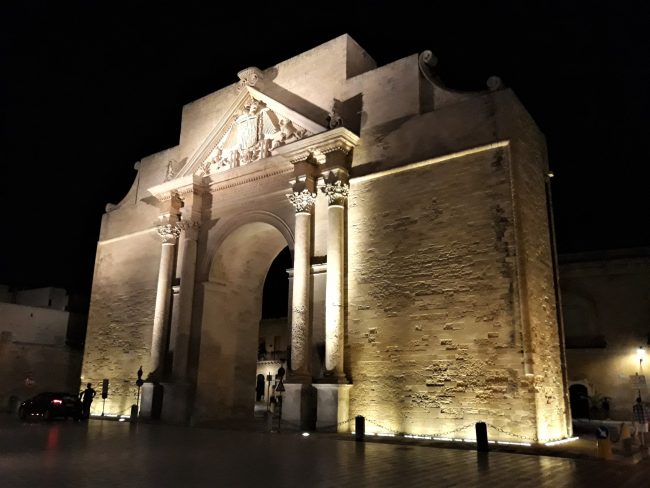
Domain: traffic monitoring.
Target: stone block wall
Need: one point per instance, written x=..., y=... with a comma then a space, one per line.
x=433, y=333
x=51, y=367
x=120, y=320
x=35, y=325
x=541, y=338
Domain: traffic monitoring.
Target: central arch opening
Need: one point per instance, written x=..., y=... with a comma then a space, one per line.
x=273, y=350
x=232, y=314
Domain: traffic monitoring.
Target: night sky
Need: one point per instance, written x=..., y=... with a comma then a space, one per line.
x=88, y=88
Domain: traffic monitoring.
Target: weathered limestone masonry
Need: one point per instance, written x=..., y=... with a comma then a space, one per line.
x=422, y=292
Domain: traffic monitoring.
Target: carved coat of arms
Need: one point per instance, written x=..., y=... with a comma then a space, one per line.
x=252, y=135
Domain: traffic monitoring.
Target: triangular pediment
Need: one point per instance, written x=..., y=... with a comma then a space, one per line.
x=252, y=128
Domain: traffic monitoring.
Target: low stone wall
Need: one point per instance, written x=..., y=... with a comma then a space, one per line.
x=49, y=368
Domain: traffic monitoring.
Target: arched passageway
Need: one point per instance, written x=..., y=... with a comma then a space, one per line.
x=232, y=309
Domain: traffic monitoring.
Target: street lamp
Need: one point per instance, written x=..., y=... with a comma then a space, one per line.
x=640, y=354
x=136, y=408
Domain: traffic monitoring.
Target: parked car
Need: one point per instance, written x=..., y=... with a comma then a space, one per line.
x=50, y=405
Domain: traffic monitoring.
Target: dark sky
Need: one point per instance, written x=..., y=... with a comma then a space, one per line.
x=88, y=88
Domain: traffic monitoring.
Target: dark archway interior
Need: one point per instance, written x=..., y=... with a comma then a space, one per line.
x=579, y=400
x=275, y=296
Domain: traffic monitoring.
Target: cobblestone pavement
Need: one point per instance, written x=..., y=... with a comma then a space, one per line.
x=102, y=453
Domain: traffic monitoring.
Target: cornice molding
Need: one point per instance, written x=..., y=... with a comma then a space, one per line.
x=182, y=186
x=339, y=139
x=242, y=180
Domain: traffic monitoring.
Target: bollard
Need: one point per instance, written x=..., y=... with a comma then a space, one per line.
x=359, y=428
x=604, y=445
x=481, y=437
x=134, y=413
x=626, y=439
x=627, y=447
x=604, y=449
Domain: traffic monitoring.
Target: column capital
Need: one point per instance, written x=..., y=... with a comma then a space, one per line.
x=303, y=201
x=189, y=228
x=168, y=233
x=336, y=193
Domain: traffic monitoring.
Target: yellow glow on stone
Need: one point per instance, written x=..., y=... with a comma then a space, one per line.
x=427, y=162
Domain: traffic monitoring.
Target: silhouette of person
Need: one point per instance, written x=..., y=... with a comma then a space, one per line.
x=259, y=388
x=86, y=400
x=640, y=416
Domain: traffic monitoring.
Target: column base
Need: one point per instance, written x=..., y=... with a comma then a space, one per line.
x=331, y=378
x=151, y=401
x=299, y=406
x=299, y=378
x=333, y=407
x=176, y=408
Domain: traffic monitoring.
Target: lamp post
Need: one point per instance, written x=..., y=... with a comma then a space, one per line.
x=139, y=384
x=640, y=353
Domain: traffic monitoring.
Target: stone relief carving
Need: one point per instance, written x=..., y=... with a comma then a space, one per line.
x=176, y=203
x=495, y=83
x=172, y=169
x=336, y=193
x=190, y=228
x=334, y=119
x=249, y=77
x=168, y=232
x=427, y=61
x=252, y=135
x=302, y=201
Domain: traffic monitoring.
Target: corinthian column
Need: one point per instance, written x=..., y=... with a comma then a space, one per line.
x=188, y=240
x=303, y=202
x=337, y=194
x=168, y=233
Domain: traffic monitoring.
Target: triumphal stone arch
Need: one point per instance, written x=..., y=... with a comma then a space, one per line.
x=422, y=291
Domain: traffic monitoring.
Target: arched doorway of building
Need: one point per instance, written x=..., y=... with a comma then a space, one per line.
x=230, y=325
x=579, y=399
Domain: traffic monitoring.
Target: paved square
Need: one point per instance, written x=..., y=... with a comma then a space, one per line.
x=98, y=454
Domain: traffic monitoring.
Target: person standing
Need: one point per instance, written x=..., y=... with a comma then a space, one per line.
x=640, y=416
x=86, y=400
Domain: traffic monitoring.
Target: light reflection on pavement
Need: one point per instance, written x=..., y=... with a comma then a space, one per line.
x=105, y=453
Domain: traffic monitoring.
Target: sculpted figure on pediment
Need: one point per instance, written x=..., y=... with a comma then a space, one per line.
x=251, y=136
x=253, y=129
x=288, y=133
x=172, y=169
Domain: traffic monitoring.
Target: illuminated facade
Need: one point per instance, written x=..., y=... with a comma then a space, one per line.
x=422, y=266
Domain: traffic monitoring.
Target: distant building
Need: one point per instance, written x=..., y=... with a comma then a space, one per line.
x=606, y=308
x=40, y=344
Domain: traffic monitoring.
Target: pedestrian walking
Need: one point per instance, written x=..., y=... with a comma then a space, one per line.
x=640, y=416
